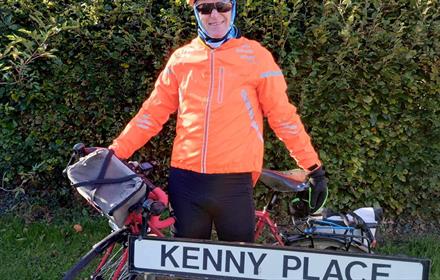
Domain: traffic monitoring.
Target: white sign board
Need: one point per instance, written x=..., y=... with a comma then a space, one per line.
x=199, y=259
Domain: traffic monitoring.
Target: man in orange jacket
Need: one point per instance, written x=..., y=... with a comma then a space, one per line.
x=221, y=85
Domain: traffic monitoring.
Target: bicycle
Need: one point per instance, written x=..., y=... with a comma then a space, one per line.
x=144, y=219
x=317, y=232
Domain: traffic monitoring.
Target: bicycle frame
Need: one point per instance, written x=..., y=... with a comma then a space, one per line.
x=263, y=218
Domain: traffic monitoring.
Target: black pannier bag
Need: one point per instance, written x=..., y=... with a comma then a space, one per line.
x=107, y=183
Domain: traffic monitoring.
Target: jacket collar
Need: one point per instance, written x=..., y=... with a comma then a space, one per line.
x=231, y=43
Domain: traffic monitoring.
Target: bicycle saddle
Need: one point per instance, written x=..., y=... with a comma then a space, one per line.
x=285, y=181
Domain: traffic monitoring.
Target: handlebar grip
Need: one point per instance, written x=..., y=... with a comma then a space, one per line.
x=158, y=194
x=79, y=149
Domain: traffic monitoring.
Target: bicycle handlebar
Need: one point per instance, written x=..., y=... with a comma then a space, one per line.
x=158, y=195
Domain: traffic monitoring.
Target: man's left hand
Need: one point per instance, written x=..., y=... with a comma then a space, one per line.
x=319, y=189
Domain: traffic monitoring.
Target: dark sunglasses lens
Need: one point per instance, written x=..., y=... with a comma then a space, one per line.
x=221, y=7
x=206, y=8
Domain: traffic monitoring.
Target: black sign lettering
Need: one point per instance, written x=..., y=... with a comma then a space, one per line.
x=376, y=273
x=217, y=264
x=230, y=257
x=306, y=271
x=333, y=264
x=256, y=263
x=349, y=266
x=286, y=266
x=187, y=257
x=164, y=255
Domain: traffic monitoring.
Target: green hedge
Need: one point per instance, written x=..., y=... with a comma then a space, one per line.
x=363, y=74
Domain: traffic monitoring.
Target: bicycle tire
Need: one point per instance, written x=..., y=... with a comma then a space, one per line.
x=329, y=244
x=109, y=252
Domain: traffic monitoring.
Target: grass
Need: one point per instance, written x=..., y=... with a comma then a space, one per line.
x=42, y=250
x=427, y=247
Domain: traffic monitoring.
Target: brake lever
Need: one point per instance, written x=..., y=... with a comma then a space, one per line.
x=72, y=158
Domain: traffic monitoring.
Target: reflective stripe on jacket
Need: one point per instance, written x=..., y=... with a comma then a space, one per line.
x=220, y=96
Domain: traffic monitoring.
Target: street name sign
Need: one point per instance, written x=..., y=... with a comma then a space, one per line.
x=223, y=260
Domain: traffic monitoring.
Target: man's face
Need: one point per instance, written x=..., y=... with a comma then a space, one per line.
x=215, y=16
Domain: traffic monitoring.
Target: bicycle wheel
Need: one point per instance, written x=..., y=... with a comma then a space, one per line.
x=327, y=243
x=107, y=260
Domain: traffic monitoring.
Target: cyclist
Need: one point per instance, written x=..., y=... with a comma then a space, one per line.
x=221, y=85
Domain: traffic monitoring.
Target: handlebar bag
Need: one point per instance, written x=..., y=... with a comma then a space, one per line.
x=107, y=183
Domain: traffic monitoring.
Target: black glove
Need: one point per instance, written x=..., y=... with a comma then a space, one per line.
x=318, y=189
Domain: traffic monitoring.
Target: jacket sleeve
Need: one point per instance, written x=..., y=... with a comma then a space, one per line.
x=149, y=120
x=282, y=116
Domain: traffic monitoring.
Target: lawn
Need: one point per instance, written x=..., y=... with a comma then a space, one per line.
x=45, y=250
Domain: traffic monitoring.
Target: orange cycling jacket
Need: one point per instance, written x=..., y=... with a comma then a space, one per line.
x=220, y=96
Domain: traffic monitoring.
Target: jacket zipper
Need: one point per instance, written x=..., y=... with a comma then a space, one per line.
x=207, y=114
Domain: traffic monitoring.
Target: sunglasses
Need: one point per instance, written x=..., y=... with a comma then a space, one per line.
x=221, y=7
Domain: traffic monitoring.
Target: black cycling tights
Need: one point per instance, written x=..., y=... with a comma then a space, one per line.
x=199, y=200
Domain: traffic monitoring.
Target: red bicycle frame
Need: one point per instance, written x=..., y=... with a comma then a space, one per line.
x=134, y=223
x=263, y=218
